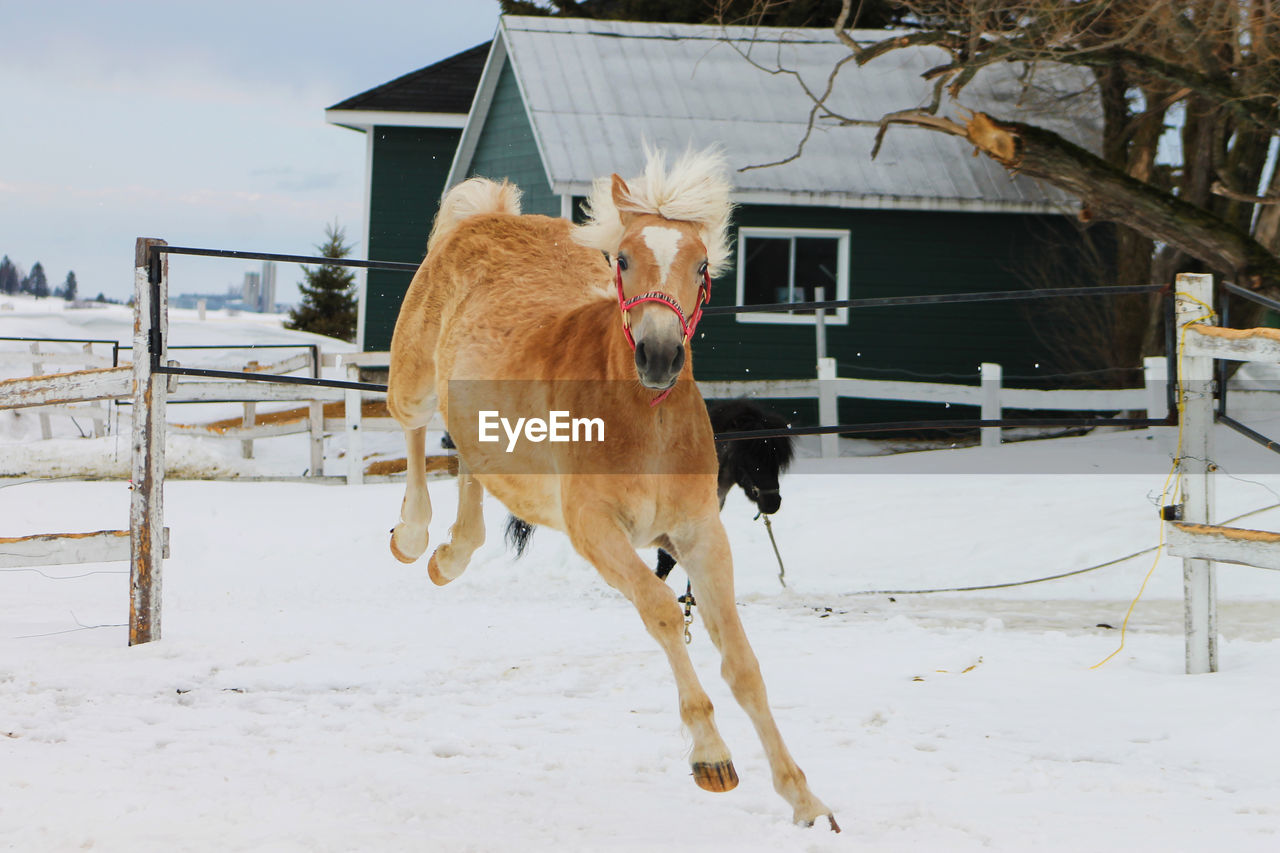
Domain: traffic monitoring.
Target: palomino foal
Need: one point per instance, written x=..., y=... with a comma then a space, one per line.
x=523, y=314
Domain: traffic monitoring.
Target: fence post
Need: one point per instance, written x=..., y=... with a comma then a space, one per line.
x=992, y=378
x=1194, y=294
x=355, y=430
x=37, y=369
x=99, y=424
x=249, y=421
x=146, y=507
x=315, y=421
x=1155, y=375
x=820, y=323
x=828, y=407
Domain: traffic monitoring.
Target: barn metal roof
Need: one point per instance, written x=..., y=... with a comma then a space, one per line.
x=594, y=89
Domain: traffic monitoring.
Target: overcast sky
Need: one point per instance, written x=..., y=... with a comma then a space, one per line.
x=200, y=123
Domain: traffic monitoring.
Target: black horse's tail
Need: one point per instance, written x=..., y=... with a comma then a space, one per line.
x=517, y=535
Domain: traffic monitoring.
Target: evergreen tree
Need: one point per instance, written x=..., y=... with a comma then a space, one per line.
x=70, y=290
x=37, y=282
x=9, y=278
x=328, y=304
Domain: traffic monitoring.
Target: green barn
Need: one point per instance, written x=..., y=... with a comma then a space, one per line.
x=559, y=102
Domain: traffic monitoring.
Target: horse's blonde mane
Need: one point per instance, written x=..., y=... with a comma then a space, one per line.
x=695, y=189
x=473, y=197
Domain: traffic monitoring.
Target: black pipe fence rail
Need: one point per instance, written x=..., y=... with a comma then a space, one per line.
x=842, y=429
x=939, y=299
x=156, y=251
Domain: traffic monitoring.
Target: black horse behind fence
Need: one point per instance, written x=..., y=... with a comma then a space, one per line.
x=752, y=464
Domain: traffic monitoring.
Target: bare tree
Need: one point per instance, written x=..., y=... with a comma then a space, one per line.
x=1208, y=67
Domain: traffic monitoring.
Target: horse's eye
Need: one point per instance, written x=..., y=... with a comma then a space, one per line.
x=702, y=269
x=622, y=262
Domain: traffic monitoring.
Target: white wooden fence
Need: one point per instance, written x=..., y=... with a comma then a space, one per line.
x=39, y=359
x=990, y=395
x=149, y=391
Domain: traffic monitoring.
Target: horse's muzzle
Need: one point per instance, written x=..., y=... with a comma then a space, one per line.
x=659, y=360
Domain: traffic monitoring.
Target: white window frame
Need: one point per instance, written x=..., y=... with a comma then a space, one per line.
x=838, y=316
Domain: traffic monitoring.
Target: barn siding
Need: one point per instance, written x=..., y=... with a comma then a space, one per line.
x=410, y=166
x=506, y=149
x=899, y=253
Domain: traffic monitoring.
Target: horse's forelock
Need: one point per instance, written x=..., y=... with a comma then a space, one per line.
x=694, y=189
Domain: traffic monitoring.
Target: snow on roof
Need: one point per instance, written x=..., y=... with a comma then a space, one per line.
x=594, y=89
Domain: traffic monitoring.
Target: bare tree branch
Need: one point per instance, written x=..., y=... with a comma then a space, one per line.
x=1219, y=188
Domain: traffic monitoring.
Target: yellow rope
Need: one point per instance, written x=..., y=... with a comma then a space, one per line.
x=1164, y=491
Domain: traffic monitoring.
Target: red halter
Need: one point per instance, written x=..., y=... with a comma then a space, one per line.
x=687, y=325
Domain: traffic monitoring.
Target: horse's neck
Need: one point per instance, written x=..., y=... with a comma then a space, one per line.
x=588, y=343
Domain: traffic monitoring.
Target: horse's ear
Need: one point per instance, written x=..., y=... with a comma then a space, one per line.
x=622, y=199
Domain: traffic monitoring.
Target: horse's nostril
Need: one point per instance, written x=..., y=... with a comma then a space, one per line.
x=677, y=360
x=642, y=356
x=769, y=504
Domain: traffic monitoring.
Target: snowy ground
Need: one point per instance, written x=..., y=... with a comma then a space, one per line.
x=311, y=693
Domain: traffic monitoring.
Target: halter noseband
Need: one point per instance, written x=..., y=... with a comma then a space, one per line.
x=687, y=325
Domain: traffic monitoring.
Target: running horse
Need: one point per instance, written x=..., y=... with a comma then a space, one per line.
x=512, y=313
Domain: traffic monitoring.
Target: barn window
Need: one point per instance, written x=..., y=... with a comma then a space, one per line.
x=780, y=265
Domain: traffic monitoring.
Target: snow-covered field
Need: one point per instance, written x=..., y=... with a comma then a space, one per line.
x=311, y=693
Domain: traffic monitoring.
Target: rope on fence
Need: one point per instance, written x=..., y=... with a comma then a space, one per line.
x=1054, y=577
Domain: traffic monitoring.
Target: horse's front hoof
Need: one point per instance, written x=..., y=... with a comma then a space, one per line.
x=433, y=572
x=717, y=778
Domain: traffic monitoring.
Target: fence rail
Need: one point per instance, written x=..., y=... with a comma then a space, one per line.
x=197, y=385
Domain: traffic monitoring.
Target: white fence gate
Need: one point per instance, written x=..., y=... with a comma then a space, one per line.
x=1194, y=538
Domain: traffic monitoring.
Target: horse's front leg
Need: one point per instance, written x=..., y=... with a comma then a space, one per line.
x=596, y=536
x=704, y=553
x=465, y=536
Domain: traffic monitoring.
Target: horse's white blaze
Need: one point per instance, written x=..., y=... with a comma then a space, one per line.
x=664, y=243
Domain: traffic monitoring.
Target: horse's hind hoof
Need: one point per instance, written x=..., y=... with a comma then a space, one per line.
x=717, y=778
x=835, y=827
x=398, y=554
x=412, y=553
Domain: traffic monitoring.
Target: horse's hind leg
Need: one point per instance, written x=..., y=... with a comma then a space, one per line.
x=704, y=553
x=467, y=534
x=597, y=538
x=409, y=537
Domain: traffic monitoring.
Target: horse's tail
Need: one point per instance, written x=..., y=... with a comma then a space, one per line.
x=473, y=197
x=517, y=535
